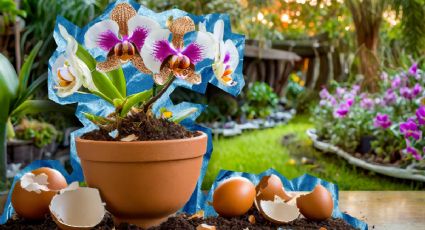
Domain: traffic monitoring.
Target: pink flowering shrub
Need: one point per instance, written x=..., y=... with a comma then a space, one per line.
x=393, y=118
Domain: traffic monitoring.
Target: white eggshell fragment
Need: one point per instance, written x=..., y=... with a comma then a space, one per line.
x=80, y=208
x=278, y=211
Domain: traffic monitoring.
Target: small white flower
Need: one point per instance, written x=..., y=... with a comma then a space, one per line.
x=226, y=56
x=70, y=72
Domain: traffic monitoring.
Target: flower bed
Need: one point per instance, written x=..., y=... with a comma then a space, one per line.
x=381, y=128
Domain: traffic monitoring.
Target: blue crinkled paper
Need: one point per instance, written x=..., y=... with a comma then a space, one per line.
x=303, y=183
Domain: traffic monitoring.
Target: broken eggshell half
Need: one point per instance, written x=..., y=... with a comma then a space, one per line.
x=316, y=205
x=77, y=208
x=278, y=211
x=33, y=192
x=268, y=188
x=279, y=206
x=271, y=199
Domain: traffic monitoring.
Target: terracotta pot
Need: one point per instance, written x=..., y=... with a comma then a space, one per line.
x=143, y=182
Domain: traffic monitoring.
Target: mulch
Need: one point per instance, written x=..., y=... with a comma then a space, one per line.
x=183, y=222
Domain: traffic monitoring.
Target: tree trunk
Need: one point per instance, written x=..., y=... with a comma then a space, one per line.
x=367, y=18
x=3, y=151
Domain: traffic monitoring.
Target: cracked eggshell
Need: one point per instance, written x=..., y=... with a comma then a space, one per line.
x=278, y=211
x=81, y=208
x=234, y=197
x=268, y=188
x=32, y=194
x=317, y=205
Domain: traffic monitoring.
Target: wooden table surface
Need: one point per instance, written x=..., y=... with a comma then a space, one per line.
x=401, y=210
x=398, y=210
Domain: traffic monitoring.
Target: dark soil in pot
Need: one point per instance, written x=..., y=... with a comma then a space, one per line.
x=145, y=127
x=182, y=221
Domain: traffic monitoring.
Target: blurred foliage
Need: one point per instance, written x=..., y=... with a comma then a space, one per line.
x=260, y=100
x=294, y=89
x=41, y=20
x=413, y=30
x=8, y=13
x=41, y=133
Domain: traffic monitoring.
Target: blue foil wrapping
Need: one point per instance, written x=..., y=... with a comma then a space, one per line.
x=303, y=183
x=136, y=82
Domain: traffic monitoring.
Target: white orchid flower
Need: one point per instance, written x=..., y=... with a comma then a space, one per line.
x=165, y=58
x=226, y=57
x=69, y=71
x=121, y=37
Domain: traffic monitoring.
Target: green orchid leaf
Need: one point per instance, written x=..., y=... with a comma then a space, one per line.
x=8, y=87
x=105, y=86
x=118, y=79
x=27, y=66
x=103, y=96
x=37, y=106
x=135, y=99
x=101, y=81
x=98, y=120
x=118, y=102
x=179, y=117
x=86, y=57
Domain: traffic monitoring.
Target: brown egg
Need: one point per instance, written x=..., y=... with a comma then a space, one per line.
x=269, y=187
x=56, y=180
x=317, y=205
x=33, y=205
x=234, y=197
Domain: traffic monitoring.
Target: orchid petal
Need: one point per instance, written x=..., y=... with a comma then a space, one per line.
x=139, y=64
x=162, y=77
x=219, y=30
x=103, y=34
x=71, y=43
x=84, y=72
x=193, y=78
x=76, y=82
x=232, y=53
x=112, y=63
x=139, y=27
x=156, y=49
x=202, y=27
x=200, y=49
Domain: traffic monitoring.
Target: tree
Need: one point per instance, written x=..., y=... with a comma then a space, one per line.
x=367, y=18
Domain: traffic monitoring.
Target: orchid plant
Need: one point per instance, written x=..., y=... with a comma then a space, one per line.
x=162, y=51
x=393, y=117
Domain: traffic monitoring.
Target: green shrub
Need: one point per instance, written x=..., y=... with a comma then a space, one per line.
x=260, y=100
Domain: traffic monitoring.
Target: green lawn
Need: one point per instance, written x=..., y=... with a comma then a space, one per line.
x=256, y=151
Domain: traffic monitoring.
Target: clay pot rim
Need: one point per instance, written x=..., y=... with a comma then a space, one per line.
x=201, y=136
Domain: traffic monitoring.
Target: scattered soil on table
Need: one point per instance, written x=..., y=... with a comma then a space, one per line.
x=144, y=127
x=183, y=222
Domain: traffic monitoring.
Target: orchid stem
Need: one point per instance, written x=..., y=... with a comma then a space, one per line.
x=149, y=104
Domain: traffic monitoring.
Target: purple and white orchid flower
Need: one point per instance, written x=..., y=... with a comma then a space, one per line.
x=165, y=58
x=69, y=72
x=227, y=56
x=122, y=37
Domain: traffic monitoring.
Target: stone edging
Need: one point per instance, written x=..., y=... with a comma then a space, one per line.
x=403, y=173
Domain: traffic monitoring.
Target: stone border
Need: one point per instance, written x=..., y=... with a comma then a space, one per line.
x=403, y=173
x=234, y=129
